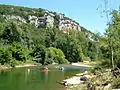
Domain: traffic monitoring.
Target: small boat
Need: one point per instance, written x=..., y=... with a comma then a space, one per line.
x=46, y=70
x=62, y=68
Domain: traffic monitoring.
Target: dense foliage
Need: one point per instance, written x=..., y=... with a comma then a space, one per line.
x=110, y=44
x=20, y=11
x=20, y=42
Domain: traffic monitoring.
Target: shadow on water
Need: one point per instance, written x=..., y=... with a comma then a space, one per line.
x=33, y=78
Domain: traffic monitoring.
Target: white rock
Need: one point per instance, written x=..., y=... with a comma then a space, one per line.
x=108, y=87
x=73, y=81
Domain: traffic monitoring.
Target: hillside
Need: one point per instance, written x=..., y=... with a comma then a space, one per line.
x=38, y=17
x=36, y=34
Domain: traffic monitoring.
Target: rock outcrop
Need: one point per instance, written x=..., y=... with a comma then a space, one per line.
x=13, y=17
x=68, y=24
x=47, y=20
x=42, y=18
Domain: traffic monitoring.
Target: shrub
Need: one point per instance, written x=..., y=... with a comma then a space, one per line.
x=116, y=83
x=5, y=55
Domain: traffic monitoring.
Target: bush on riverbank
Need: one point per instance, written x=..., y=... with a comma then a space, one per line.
x=13, y=54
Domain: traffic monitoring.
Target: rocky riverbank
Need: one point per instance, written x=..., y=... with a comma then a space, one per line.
x=89, y=80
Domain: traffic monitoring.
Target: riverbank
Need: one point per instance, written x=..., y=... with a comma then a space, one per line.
x=81, y=64
x=27, y=65
x=89, y=81
x=94, y=80
x=85, y=64
x=3, y=67
x=31, y=64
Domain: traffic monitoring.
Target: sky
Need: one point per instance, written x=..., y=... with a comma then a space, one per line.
x=83, y=11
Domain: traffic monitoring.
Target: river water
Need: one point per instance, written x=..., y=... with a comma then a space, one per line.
x=32, y=78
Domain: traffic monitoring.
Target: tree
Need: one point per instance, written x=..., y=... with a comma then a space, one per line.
x=54, y=55
x=5, y=55
x=113, y=32
x=50, y=37
x=39, y=54
x=12, y=33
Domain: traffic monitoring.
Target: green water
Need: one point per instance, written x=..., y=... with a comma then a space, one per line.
x=32, y=78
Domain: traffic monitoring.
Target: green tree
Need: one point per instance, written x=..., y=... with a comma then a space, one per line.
x=54, y=55
x=11, y=33
x=5, y=55
x=39, y=54
x=19, y=53
x=113, y=32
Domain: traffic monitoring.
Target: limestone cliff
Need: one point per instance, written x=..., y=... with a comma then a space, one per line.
x=40, y=18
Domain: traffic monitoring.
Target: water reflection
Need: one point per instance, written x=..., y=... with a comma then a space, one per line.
x=46, y=77
x=32, y=78
x=27, y=72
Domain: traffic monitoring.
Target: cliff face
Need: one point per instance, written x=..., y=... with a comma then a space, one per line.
x=38, y=17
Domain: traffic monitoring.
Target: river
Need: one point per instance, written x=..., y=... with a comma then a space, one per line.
x=32, y=78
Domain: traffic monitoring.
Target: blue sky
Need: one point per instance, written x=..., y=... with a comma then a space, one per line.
x=83, y=11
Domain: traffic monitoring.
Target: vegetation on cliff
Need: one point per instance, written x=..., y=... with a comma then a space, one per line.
x=23, y=41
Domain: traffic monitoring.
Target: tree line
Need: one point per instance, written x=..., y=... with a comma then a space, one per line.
x=24, y=42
